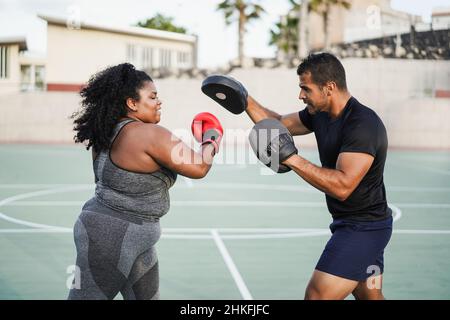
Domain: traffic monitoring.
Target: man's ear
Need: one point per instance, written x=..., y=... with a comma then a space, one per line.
x=331, y=86
x=131, y=104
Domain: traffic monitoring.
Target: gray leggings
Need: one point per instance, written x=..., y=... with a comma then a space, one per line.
x=115, y=255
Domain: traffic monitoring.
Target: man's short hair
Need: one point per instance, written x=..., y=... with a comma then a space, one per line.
x=324, y=67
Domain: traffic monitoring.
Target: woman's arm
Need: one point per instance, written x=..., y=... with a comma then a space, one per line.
x=172, y=153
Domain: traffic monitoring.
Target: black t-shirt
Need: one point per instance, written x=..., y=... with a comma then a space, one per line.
x=358, y=129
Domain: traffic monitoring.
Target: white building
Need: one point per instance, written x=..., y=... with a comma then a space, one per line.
x=366, y=19
x=75, y=52
x=440, y=18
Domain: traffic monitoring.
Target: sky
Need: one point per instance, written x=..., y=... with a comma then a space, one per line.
x=217, y=41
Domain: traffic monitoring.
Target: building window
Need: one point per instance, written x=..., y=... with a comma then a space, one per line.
x=132, y=53
x=25, y=78
x=165, y=58
x=32, y=78
x=39, y=78
x=147, y=57
x=183, y=59
x=3, y=62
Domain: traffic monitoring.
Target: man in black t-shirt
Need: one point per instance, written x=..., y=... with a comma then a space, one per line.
x=352, y=143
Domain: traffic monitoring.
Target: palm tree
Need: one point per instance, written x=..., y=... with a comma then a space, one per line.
x=285, y=35
x=290, y=34
x=323, y=7
x=245, y=11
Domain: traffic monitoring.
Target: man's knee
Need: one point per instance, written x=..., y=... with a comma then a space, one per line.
x=312, y=293
x=362, y=292
x=324, y=286
x=368, y=296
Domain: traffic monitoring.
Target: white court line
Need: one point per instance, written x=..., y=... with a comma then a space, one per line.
x=406, y=231
x=200, y=203
x=237, y=230
x=41, y=185
x=246, y=186
x=231, y=266
x=249, y=204
x=424, y=205
x=435, y=158
x=287, y=235
x=30, y=195
x=48, y=228
x=240, y=186
x=187, y=236
x=422, y=168
x=256, y=186
x=418, y=189
x=259, y=233
x=10, y=200
x=41, y=193
x=35, y=230
x=203, y=203
x=44, y=204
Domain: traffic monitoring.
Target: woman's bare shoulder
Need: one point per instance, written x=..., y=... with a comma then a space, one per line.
x=150, y=136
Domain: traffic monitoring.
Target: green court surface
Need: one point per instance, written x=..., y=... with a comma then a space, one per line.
x=237, y=234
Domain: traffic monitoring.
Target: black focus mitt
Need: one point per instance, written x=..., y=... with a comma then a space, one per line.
x=226, y=91
x=272, y=143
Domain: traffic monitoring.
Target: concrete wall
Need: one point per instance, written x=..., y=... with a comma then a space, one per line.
x=401, y=92
x=37, y=117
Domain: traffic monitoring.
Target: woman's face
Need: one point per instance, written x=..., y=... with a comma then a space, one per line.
x=148, y=107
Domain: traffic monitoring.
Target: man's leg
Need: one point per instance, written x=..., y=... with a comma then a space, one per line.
x=325, y=286
x=369, y=289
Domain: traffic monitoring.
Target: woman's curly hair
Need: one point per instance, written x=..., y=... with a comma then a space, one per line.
x=104, y=103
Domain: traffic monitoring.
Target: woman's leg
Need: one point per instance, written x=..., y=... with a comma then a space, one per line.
x=143, y=280
x=98, y=239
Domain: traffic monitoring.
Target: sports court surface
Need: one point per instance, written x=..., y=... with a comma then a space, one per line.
x=236, y=234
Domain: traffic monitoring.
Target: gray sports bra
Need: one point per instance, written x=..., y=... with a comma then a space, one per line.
x=145, y=195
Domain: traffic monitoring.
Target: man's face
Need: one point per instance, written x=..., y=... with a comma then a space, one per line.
x=312, y=95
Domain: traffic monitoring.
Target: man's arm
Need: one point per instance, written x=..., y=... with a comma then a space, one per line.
x=292, y=121
x=339, y=183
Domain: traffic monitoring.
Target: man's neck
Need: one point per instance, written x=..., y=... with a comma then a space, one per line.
x=338, y=104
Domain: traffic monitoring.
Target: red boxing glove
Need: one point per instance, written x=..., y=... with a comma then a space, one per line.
x=206, y=128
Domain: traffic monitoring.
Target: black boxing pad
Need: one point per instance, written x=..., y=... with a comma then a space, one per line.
x=272, y=144
x=227, y=92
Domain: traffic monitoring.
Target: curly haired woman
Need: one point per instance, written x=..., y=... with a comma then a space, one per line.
x=135, y=162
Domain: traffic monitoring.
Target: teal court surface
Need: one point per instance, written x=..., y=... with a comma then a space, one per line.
x=236, y=234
